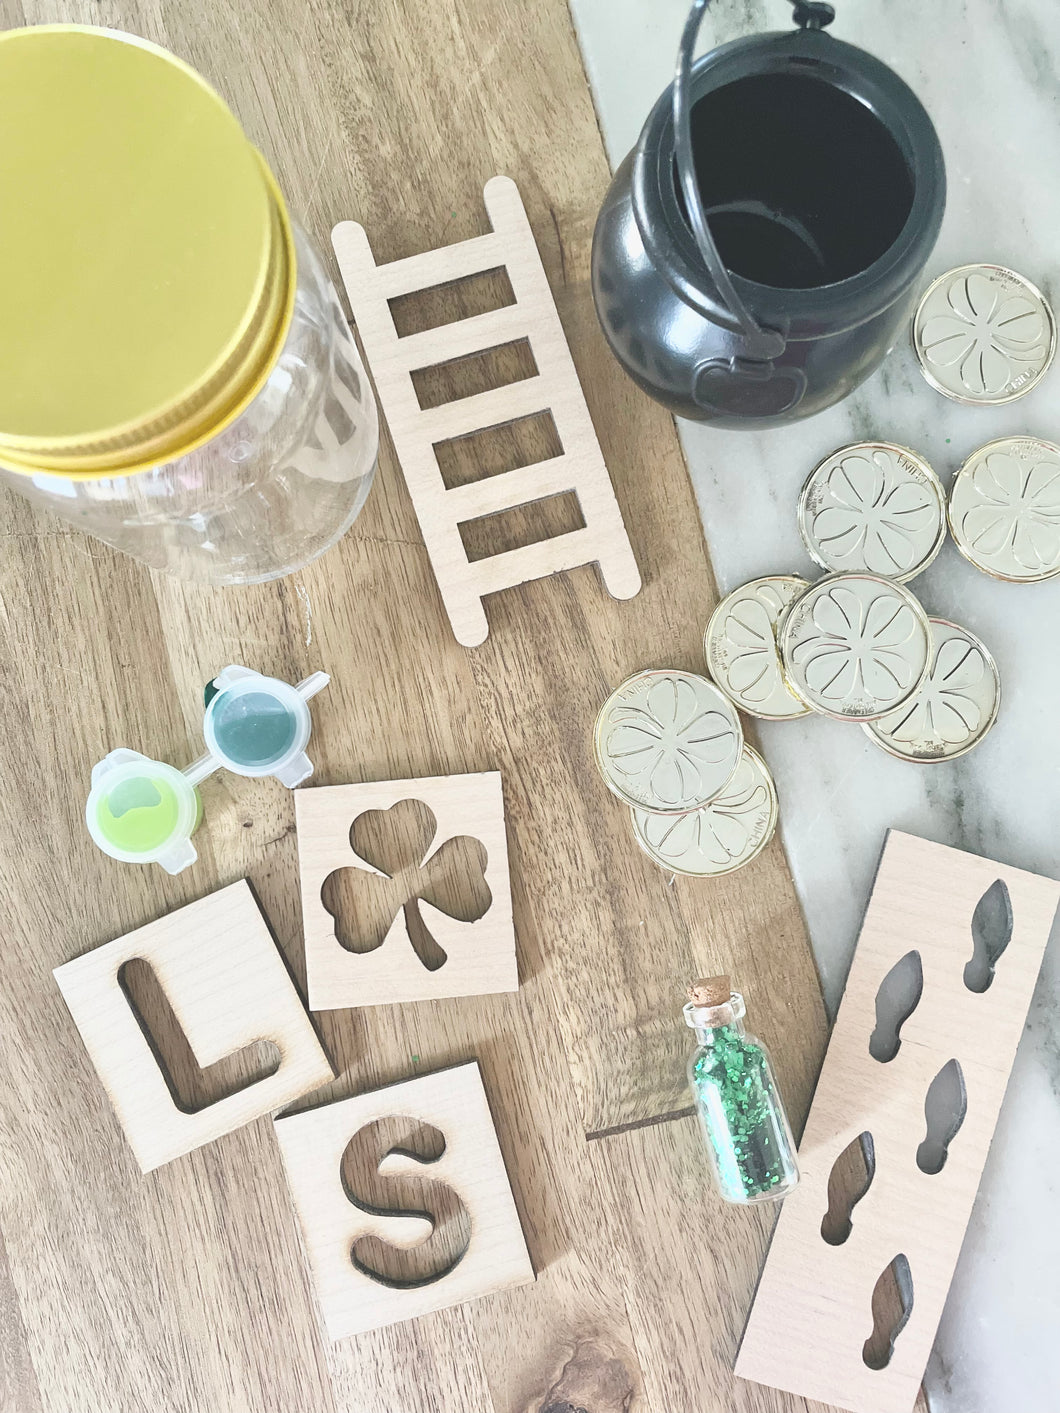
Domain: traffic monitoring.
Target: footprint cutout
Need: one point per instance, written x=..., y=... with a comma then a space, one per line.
x=896, y=1000
x=850, y=1179
x=991, y=934
x=945, y=1106
x=892, y=1305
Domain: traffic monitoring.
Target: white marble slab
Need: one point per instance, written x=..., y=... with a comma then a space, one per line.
x=989, y=74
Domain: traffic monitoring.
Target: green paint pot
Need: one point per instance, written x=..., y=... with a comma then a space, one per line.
x=141, y=810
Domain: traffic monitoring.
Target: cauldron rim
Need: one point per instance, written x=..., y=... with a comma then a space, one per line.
x=820, y=309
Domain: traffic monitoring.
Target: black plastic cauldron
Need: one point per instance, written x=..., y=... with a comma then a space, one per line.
x=759, y=251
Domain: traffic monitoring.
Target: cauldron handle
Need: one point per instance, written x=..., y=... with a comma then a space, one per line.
x=763, y=345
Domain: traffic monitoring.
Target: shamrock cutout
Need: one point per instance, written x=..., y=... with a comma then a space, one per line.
x=398, y=843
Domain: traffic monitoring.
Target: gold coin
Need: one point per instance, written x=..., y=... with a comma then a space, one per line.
x=873, y=508
x=855, y=646
x=668, y=741
x=1005, y=509
x=953, y=710
x=741, y=647
x=983, y=335
x=724, y=835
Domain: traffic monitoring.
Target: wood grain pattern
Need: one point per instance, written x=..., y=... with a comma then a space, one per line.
x=188, y=1290
x=479, y=955
x=416, y=431
x=812, y=1313
x=228, y=988
x=454, y=1102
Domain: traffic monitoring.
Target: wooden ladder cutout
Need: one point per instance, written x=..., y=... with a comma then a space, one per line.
x=579, y=468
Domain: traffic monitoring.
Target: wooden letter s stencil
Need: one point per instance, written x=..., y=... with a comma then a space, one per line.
x=375, y=1180
x=386, y=1172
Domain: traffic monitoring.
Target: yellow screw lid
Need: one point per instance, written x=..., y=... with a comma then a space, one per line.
x=146, y=263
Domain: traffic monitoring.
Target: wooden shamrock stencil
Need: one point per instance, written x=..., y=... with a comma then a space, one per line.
x=405, y=890
x=398, y=843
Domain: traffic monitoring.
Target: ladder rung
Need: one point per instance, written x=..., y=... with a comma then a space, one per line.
x=518, y=566
x=510, y=489
x=486, y=409
x=466, y=336
x=442, y=265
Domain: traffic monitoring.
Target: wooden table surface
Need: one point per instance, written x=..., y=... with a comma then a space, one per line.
x=187, y=1289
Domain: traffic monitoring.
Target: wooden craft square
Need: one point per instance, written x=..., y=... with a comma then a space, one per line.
x=228, y=987
x=469, y=957
x=313, y=1143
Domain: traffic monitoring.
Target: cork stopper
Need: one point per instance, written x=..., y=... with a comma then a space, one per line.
x=710, y=991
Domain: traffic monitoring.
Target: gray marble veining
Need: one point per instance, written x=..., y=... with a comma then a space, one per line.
x=989, y=73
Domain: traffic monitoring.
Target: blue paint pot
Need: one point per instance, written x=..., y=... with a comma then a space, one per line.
x=256, y=725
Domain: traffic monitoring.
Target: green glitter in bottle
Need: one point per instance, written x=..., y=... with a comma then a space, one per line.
x=740, y=1109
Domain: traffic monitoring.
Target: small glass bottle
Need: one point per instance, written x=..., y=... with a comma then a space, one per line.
x=739, y=1106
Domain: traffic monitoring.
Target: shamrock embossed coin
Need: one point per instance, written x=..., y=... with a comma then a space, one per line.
x=741, y=647
x=668, y=741
x=722, y=836
x=873, y=508
x=953, y=710
x=855, y=646
x=983, y=334
x=1005, y=509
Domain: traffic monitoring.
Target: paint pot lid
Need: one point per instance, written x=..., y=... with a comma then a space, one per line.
x=254, y=725
x=148, y=282
x=141, y=810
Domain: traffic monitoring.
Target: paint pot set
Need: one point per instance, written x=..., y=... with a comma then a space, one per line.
x=141, y=810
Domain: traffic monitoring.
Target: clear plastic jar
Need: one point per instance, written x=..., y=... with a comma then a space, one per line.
x=748, y=1138
x=274, y=489
x=188, y=389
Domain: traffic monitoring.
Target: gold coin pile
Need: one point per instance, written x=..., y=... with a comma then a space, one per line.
x=670, y=745
x=856, y=645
